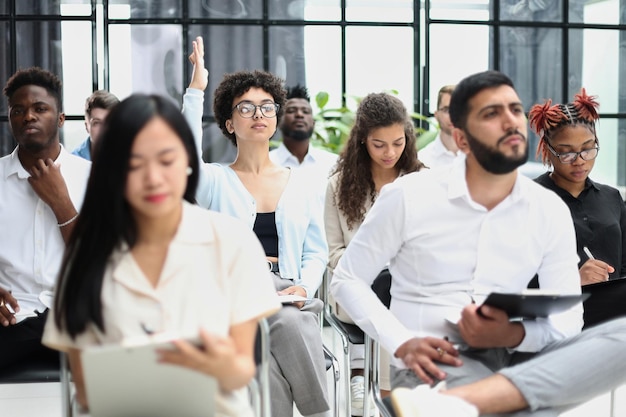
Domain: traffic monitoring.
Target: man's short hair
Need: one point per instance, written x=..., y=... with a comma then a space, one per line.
x=100, y=99
x=468, y=88
x=446, y=89
x=35, y=76
x=298, y=91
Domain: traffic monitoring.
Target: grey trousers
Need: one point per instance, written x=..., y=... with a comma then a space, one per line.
x=298, y=366
x=562, y=376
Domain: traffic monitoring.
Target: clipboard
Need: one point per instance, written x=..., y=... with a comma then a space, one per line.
x=533, y=304
x=127, y=381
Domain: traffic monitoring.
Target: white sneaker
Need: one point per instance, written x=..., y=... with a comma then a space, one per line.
x=424, y=401
x=357, y=394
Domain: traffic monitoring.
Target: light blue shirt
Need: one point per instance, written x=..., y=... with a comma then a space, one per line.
x=84, y=149
x=302, y=247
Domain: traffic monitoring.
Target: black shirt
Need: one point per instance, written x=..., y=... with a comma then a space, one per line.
x=265, y=230
x=599, y=215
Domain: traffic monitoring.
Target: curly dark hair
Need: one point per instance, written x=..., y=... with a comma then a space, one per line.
x=356, y=184
x=35, y=76
x=238, y=83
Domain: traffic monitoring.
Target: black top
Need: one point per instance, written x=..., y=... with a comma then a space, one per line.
x=265, y=230
x=599, y=215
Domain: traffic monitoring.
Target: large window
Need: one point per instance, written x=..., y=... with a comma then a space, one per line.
x=348, y=48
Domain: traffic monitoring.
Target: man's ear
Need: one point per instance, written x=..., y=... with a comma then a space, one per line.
x=461, y=140
x=61, y=119
x=229, y=126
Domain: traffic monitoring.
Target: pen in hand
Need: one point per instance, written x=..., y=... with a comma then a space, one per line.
x=588, y=252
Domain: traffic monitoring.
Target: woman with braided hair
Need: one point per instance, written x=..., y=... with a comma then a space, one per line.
x=569, y=144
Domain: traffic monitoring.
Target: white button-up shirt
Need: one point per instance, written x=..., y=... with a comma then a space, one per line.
x=435, y=154
x=31, y=245
x=214, y=276
x=445, y=250
x=317, y=163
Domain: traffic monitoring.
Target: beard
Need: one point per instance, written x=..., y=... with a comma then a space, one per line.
x=298, y=135
x=494, y=161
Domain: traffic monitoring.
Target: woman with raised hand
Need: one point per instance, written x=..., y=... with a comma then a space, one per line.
x=144, y=258
x=278, y=205
x=380, y=148
x=569, y=145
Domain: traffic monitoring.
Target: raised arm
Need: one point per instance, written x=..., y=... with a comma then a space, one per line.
x=193, y=100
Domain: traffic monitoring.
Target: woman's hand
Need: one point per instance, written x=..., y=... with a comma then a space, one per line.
x=200, y=75
x=228, y=359
x=294, y=290
x=594, y=271
x=421, y=355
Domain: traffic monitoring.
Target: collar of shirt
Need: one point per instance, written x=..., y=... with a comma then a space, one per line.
x=14, y=167
x=458, y=184
x=283, y=157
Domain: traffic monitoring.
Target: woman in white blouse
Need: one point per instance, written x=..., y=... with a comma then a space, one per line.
x=144, y=259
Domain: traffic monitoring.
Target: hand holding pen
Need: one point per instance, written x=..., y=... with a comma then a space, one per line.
x=594, y=270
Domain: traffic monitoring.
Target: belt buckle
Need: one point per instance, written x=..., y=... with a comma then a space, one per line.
x=270, y=265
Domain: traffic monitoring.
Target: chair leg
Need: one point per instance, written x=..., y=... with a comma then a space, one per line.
x=612, y=414
x=66, y=391
x=264, y=369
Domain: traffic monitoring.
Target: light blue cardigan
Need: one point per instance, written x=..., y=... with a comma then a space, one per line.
x=302, y=247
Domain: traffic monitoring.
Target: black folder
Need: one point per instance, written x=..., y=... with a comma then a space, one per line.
x=533, y=303
x=607, y=301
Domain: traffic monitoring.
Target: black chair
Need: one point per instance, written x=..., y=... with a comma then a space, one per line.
x=351, y=333
x=36, y=370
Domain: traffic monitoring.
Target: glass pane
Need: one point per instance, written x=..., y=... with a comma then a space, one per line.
x=605, y=169
x=227, y=9
x=5, y=64
x=390, y=69
x=322, y=48
x=325, y=10
x=144, y=9
x=77, y=67
x=533, y=58
x=379, y=10
x=152, y=55
x=287, y=53
x=600, y=66
x=536, y=11
x=7, y=143
x=73, y=133
x=587, y=11
x=4, y=6
x=459, y=10
x=446, y=52
x=39, y=44
x=219, y=56
x=54, y=7
x=217, y=148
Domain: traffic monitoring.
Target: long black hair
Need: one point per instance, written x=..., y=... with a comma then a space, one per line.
x=105, y=221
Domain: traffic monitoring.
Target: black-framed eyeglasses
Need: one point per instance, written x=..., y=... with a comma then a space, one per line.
x=248, y=110
x=570, y=157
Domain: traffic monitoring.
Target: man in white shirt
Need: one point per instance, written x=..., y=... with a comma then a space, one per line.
x=41, y=191
x=443, y=150
x=451, y=236
x=296, y=151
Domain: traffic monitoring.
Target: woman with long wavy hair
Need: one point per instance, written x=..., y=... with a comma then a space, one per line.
x=380, y=148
